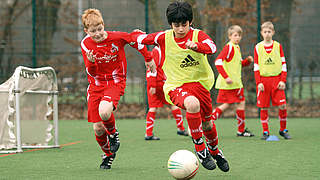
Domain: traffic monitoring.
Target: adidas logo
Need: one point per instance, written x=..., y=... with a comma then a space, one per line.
x=269, y=61
x=189, y=61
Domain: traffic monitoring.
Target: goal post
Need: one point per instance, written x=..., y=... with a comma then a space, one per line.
x=29, y=108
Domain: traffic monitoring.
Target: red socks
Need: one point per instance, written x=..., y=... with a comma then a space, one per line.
x=264, y=117
x=216, y=114
x=194, y=122
x=178, y=117
x=240, y=117
x=283, y=119
x=149, y=123
x=104, y=143
x=212, y=140
x=110, y=124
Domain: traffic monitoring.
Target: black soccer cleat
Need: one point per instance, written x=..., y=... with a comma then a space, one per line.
x=205, y=159
x=114, y=142
x=245, y=133
x=107, y=161
x=148, y=138
x=182, y=133
x=285, y=134
x=265, y=135
x=221, y=161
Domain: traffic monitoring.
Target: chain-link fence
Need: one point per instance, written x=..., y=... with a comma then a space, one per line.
x=37, y=33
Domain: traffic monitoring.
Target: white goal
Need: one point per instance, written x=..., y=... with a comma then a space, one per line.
x=29, y=110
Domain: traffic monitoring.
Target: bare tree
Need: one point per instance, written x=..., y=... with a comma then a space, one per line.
x=14, y=9
x=46, y=26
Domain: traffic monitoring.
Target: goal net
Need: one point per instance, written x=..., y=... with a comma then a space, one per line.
x=29, y=110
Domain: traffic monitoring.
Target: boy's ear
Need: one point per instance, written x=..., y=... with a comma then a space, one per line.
x=85, y=30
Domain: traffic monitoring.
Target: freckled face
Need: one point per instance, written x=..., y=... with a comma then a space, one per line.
x=97, y=33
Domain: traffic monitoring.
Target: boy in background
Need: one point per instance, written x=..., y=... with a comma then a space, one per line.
x=156, y=99
x=270, y=72
x=106, y=67
x=189, y=79
x=229, y=64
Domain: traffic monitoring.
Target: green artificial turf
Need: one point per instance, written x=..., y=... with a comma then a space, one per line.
x=249, y=158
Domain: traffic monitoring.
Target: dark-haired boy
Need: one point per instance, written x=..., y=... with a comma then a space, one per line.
x=189, y=78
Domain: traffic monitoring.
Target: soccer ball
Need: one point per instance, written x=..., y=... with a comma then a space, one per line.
x=183, y=165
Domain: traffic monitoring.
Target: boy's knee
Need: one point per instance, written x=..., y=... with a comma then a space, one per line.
x=105, y=115
x=192, y=104
x=241, y=105
x=153, y=109
x=283, y=106
x=105, y=110
x=206, y=126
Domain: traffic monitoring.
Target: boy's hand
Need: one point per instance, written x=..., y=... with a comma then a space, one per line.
x=250, y=58
x=91, y=57
x=281, y=85
x=260, y=87
x=138, y=30
x=191, y=45
x=152, y=90
x=229, y=80
x=151, y=65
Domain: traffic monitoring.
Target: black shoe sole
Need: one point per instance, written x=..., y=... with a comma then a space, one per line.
x=151, y=138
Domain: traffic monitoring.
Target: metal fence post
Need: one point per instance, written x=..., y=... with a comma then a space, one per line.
x=34, y=50
x=146, y=5
x=258, y=30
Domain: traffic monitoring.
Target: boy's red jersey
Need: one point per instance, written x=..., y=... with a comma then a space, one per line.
x=111, y=63
x=157, y=78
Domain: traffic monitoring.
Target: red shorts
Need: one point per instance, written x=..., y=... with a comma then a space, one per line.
x=271, y=90
x=95, y=94
x=178, y=95
x=230, y=96
x=156, y=100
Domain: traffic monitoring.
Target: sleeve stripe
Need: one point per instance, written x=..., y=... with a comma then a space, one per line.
x=257, y=50
x=229, y=52
x=83, y=46
x=159, y=51
x=139, y=40
x=283, y=59
x=211, y=45
x=284, y=67
x=157, y=36
x=256, y=67
x=218, y=62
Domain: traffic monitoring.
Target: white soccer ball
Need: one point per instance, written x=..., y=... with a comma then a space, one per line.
x=183, y=164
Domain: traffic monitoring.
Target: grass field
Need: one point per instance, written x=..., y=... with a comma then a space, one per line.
x=249, y=158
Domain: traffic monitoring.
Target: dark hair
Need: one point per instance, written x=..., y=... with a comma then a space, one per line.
x=179, y=12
